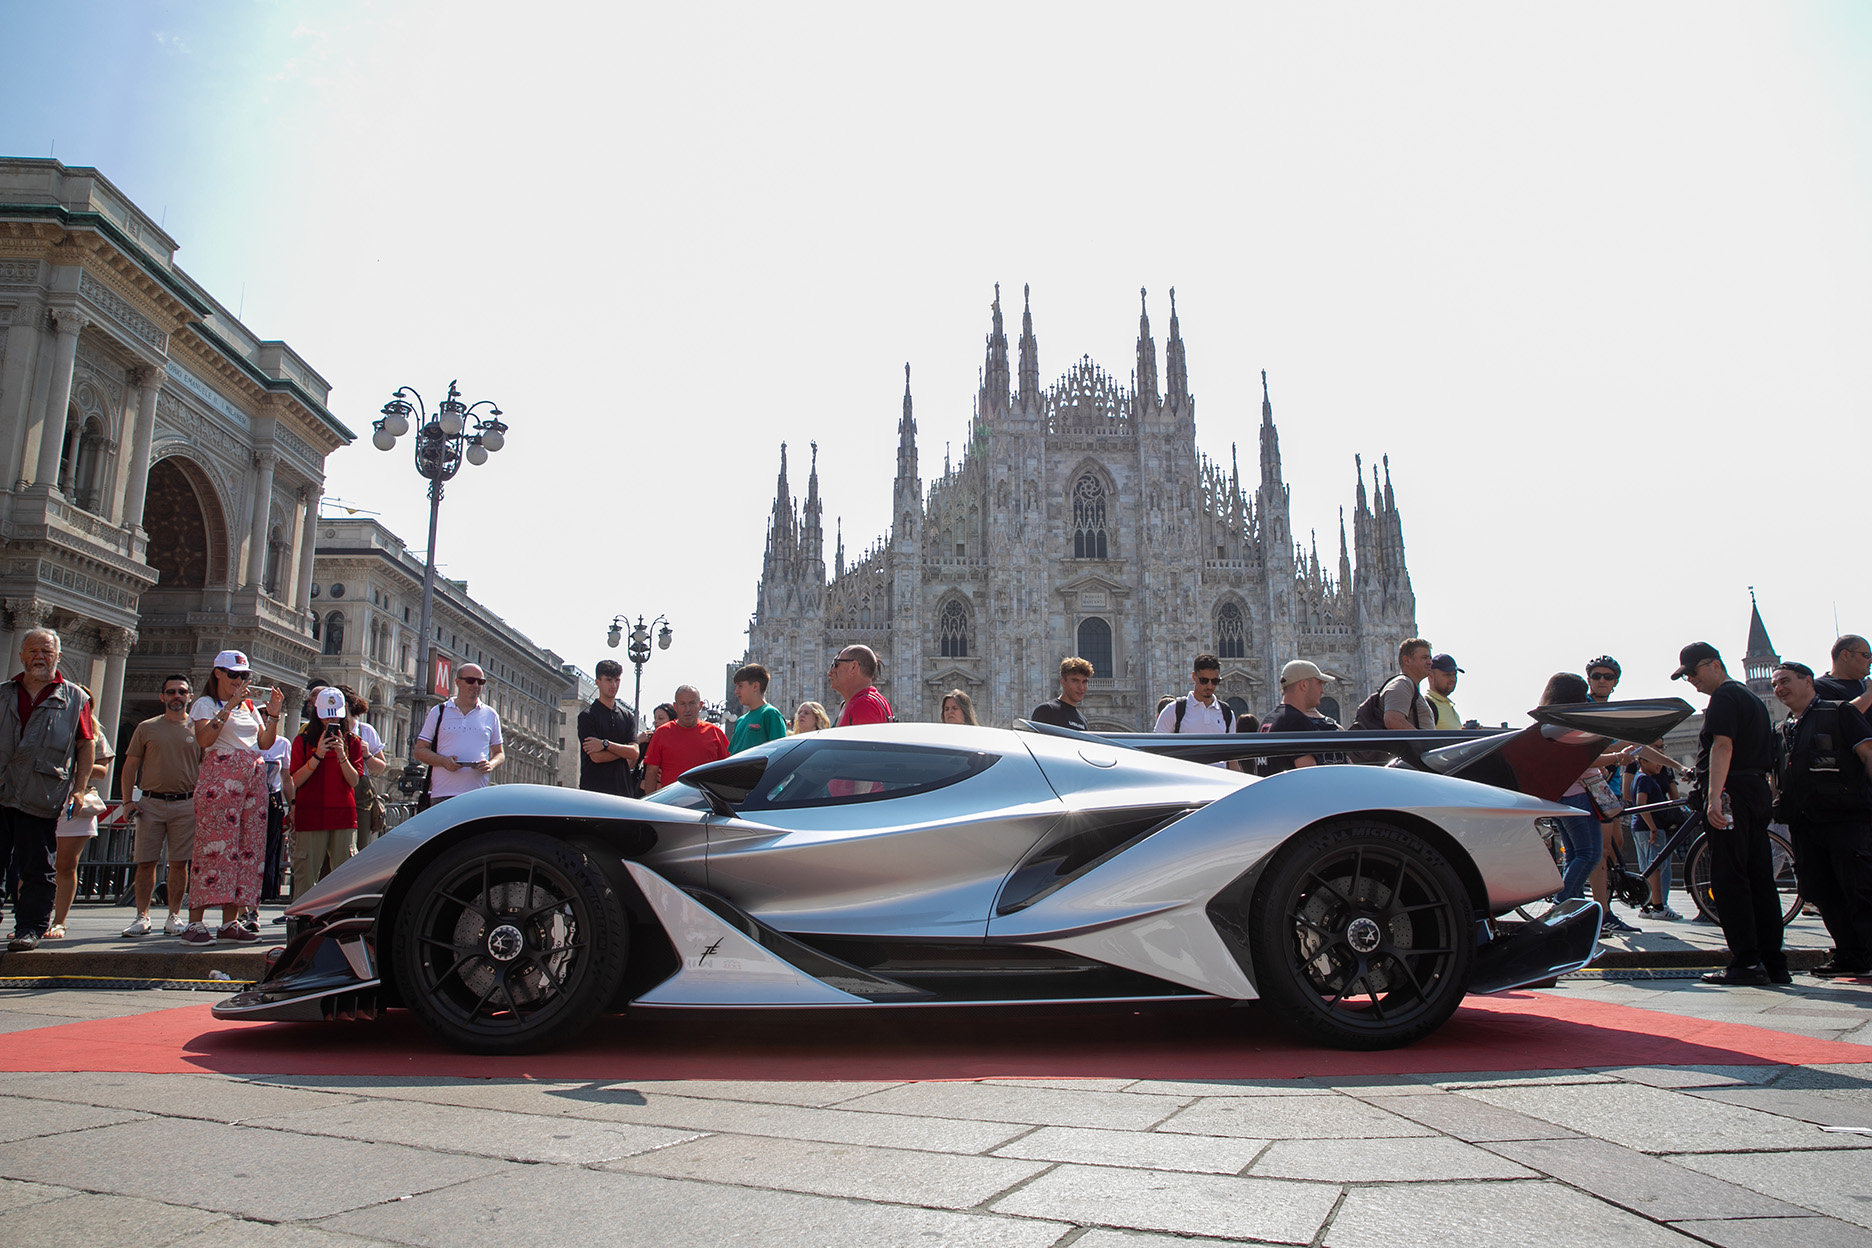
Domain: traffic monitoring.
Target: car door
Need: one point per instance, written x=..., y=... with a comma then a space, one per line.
x=849, y=836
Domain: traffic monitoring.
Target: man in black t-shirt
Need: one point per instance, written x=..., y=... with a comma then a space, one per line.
x=1825, y=796
x=607, y=736
x=1302, y=687
x=1063, y=711
x=1735, y=752
x=1852, y=659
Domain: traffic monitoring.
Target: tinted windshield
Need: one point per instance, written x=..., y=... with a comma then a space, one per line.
x=819, y=773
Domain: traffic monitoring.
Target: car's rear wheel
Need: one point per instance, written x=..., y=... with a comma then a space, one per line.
x=510, y=942
x=1362, y=935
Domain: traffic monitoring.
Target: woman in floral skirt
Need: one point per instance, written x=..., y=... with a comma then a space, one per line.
x=230, y=800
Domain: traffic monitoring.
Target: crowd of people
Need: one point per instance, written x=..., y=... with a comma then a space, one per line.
x=239, y=811
x=230, y=804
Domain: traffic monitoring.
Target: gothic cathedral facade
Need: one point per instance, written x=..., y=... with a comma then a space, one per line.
x=1082, y=520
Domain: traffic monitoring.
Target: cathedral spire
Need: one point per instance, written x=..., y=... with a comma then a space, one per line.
x=1270, y=439
x=1146, y=354
x=1029, y=353
x=812, y=535
x=1176, y=370
x=994, y=395
x=1759, y=662
x=838, y=565
x=906, y=435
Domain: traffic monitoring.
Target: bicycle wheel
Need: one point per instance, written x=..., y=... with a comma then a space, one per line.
x=1781, y=855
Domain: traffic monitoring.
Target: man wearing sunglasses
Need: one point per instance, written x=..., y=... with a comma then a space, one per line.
x=460, y=739
x=1852, y=661
x=1199, y=710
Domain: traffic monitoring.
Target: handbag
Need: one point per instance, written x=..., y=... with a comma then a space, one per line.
x=1605, y=802
x=424, y=798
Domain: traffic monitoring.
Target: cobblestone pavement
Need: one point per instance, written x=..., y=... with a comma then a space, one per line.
x=1734, y=1156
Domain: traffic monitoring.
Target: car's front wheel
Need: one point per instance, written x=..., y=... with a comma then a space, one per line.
x=1362, y=935
x=510, y=942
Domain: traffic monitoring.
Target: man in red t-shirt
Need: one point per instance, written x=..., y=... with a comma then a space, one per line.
x=682, y=743
x=854, y=678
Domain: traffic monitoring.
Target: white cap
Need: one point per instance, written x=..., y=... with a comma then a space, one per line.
x=1299, y=670
x=233, y=661
x=329, y=702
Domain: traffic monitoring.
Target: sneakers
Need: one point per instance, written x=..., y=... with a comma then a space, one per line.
x=176, y=924
x=197, y=934
x=139, y=926
x=1660, y=912
x=1831, y=969
x=23, y=942
x=236, y=932
x=1615, y=926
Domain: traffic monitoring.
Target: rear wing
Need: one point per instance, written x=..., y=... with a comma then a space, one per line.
x=1542, y=760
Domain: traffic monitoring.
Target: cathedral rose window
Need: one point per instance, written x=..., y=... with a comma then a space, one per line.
x=953, y=628
x=1089, y=519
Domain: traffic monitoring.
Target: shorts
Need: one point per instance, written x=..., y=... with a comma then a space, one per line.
x=163, y=821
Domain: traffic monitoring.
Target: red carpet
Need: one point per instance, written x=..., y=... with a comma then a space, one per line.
x=1517, y=1031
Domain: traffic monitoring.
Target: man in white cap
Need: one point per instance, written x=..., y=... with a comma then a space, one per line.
x=460, y=739
x=1302, y=687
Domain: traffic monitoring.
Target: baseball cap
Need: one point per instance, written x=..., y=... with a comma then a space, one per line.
x=1299, y=670
x=1692, y=657
x=1444, y=663
x=233, y=661
x=329, y=702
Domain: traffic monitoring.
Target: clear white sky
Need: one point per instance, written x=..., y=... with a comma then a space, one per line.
x=1598, y=277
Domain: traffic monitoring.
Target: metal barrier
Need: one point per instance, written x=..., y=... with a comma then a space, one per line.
x=107, y=869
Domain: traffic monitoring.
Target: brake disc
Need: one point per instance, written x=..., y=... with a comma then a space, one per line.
x=502, y=941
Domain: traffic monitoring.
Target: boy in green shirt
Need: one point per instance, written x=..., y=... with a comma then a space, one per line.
x=762, y=723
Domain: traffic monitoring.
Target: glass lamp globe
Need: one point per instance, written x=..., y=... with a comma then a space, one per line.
x=396, y=424
x=493, y=440
x=383, y=439
x=612, y=637
x=450, y=418
x=663, y=637
x=477, y=454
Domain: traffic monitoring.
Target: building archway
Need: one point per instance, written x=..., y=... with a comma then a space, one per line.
x=187, y=526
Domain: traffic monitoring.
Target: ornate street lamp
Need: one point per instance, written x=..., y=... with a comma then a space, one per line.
x=639, y=650
x=442, y=442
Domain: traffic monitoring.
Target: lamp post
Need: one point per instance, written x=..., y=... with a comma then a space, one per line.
x=639, y=650
x=443, y=441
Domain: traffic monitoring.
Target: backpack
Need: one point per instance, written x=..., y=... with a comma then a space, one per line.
x=1370, y=715
x=1182, y=708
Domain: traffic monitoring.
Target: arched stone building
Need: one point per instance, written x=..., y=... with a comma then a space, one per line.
x=162, y=463
x=1082, y=519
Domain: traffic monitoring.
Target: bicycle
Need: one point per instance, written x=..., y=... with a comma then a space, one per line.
x=1634, y=887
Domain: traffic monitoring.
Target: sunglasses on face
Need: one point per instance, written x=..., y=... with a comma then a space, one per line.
x=1600, y=676
x=472, y=680
x=1208, y=680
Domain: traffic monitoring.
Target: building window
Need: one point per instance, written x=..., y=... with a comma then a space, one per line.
x=953, y=626
x=1231, y=633
x=1089, y=519
x=1095, y=645
x=334, y=633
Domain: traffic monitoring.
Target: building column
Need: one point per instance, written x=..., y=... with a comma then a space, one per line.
x=136, y=483
x=116, y=643
x=307, y=541
x=262, y=512
x=52, y=430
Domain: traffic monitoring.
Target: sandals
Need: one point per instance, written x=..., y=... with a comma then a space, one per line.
x=55, y=932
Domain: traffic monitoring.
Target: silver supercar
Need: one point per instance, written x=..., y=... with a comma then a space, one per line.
x=913, y=865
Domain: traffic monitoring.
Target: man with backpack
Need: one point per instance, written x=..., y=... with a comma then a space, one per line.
x=1824, y=765
x=1398, y=706
x=1199, y=710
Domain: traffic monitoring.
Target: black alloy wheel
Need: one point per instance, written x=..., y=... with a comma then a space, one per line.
x=510, y=942
x=1362, y=935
